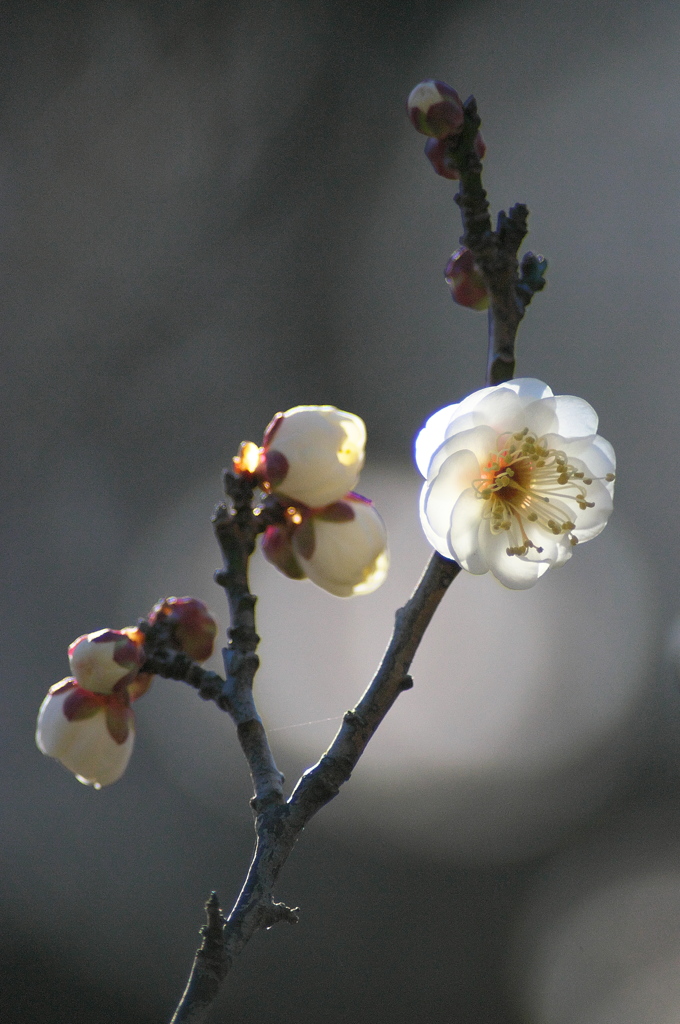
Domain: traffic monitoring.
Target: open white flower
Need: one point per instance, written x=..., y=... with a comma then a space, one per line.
x=92, y=734
x=515, y=478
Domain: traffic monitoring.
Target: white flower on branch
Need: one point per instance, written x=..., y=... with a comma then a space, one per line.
x=515, y=478
x=91, y=734
x=342, y=547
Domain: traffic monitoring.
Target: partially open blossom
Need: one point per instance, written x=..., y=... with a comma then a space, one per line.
x=312, y=454
x=435, y=109
x=515, y=478
x=91, y=734
x=99, y=661
x=440, y=154
x=342, y=548
x=465, y=280
x=192, y=627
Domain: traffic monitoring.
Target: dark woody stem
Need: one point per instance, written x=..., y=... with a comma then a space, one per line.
x=510, y=287
x=236, y=530
x=279, y=825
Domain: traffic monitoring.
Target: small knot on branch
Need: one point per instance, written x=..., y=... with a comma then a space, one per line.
x=406, y=683
x=211, y=950
x=273, y=913
x=355, y=719
x=531, y=277
x=512, y=228
x=240, y=662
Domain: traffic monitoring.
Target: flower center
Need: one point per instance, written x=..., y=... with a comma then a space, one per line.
x=526, y=485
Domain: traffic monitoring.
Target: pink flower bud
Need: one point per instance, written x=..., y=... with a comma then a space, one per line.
x=465, y=280
x=313, y=454
x=91, y=734
x=193, y=629
x=438, y=152
x=435, y=109
x=106, y=659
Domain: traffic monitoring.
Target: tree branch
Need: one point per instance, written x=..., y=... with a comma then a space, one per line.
x=495, y=252
x=279, y=824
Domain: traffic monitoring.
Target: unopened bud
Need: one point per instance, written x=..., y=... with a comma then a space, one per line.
x=348, y=555
x=435, y=109
x=313, y=454
x=192, y=628
x=278, y=549
x=92, y=734
x=106, y=659
x=465, y=280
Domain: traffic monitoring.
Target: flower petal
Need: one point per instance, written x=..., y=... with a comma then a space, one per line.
x=349, y=557
x=431, y=436
x=463, y=537
x=502, y=409
x=439, y=542
x=592, y=521
x=324, y=449
x=512, y=571
x=600, y=461
x=84, y=746
x=455, y=475
x=575, y=416
x=481, y=441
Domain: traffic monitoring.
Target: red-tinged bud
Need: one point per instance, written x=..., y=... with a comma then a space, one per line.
x=107, y=659
x=435, y=109
x=278, y=549
x=91, y=734
x=192, y=627
x=139, y=685
x=439, y=153
x=465, y=280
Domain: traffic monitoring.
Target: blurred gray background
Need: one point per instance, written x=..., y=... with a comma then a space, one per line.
x=212, y=211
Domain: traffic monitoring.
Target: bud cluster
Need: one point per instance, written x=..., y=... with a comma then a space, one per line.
x=86, y=721
x=308, y=465
x=435, y=109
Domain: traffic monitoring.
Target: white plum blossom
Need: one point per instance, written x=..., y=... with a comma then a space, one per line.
x=515, y=477
x=91, y=734
x=314, y=453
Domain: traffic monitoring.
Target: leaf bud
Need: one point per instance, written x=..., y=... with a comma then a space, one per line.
x=192, y=627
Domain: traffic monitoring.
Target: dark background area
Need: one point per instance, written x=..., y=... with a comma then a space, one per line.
x=213, y=211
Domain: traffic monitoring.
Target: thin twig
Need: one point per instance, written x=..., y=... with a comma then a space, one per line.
x=495, y=252
x=278, y=827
